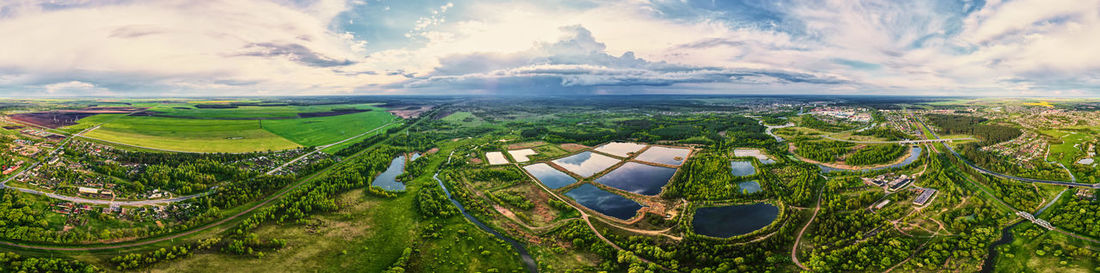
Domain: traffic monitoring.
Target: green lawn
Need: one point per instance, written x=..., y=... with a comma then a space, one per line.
x=326, y=130
x=251, y=112
x=191, y=135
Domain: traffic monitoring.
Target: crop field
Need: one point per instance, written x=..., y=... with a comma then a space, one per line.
x=326, y=130
x=191, y=135
x=251, y=112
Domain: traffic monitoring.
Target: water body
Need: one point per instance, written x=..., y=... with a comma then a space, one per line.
x=729, y=221
x=607, y=203
x=742, y=168
x=388, y=179
x=587, y=163
x=528, y=261
x=914, y=154
x=751, y=186
x=638, y=178
x=622, y=149
x=664, y=155
x=1006, y=237
x=552, y=178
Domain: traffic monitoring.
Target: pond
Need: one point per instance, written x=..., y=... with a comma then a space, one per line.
x=552, y=178
x=587, y=163
x=387, y=180
x=664, y=155
x=914, y=154
x=622, y=149
x=751, y=186
x=604, y=202
x=742, y=152
x=729, y=221
x=638, y=178
x=742, y=168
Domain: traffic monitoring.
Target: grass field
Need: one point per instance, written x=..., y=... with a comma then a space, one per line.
x=191, y=135
x=88, y=122
x=246, y=112
x=341, y=146
x=1066, y=152
x=327, y=130
x=466, y=119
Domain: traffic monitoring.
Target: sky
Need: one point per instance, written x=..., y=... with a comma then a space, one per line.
x=124, y=48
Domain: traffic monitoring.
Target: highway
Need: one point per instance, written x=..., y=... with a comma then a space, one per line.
x=1001, y=175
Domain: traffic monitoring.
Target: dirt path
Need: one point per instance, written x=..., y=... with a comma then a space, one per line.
x=798, y=240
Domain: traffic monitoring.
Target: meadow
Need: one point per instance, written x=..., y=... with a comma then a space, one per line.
x=250, y=112
x=191, y=135
x=327, y=130
x=1071, y=148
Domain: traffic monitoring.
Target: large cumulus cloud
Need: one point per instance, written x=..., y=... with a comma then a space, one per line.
x=578, y=63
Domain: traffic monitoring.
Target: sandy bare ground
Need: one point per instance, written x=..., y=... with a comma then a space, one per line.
x=573, y=147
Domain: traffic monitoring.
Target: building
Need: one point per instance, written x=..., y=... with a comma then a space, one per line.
x=1086, y=193
x=924, y=196
x=87, y=190
x=882, y=204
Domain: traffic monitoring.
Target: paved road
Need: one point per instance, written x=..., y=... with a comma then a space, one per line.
x=322, y=147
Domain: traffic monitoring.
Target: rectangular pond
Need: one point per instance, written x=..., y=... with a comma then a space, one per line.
x=664, y=155
x=729, y=221
x=496, y=158
x=742, y=168
x=587, y=163
x=604, y=202
x=638, y=178
x=743, y=152
x=552, y=178
x=521, y=155
x=749, y=187
x=622, y=149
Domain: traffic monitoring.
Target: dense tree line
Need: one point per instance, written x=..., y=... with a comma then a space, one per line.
x=319, y=194
x=11, y=262
x=823, y=151
x=705, y=176
x=876, y=154
x=988, y=133
x=431, y=201
x=1077, y=215
x=883, y=132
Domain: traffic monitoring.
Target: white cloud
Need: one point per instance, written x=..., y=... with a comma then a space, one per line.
x=294, y=47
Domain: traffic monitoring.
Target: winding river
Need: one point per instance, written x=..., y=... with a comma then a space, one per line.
x=528, y=261
x=991, y=258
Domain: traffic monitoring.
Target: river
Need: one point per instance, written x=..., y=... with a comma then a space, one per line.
x=528, y=261
x=1006, y=237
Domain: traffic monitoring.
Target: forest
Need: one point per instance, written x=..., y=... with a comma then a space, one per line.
x=967, y=125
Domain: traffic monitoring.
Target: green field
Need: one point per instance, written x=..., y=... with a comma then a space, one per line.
x=250, y=112
x=88, y=122
x=191, y=135
x=1065, y=152
x=326, y=130
x=466, y=119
